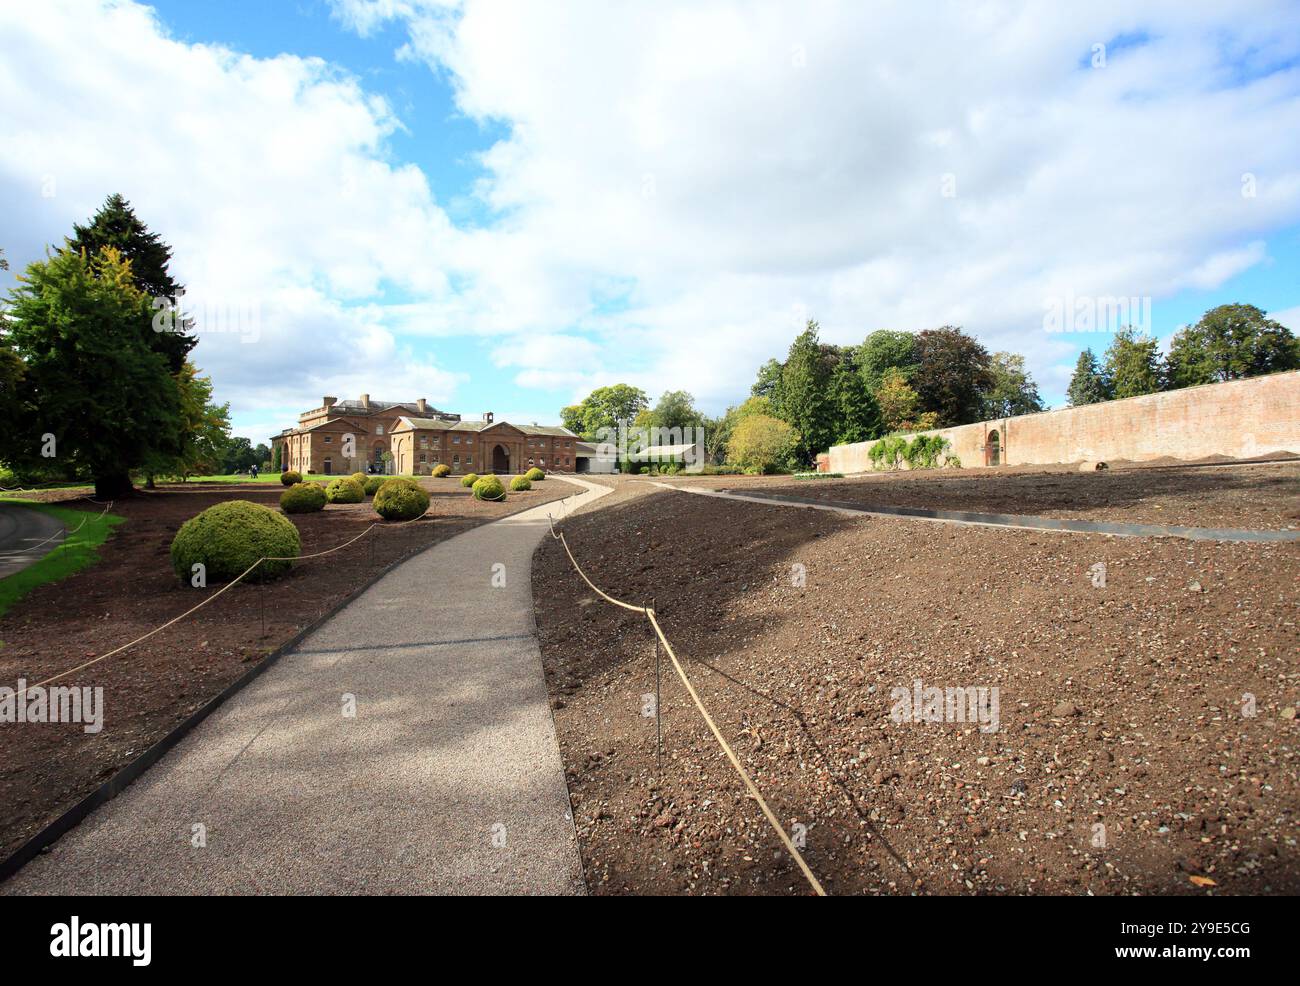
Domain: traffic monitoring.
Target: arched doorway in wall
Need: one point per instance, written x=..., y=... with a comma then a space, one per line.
x=993, y=449
x=500, y=459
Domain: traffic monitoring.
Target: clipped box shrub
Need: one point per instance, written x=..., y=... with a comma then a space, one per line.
x=360, y=477
x=289, y=478
x=489, y=488
x=401, y=499
x=373, y=483
x=535, y=475
x=228, y=537
x=469, y=479
x=303, y=498
x=521, y=483
x=345, y=490
x=441, y=469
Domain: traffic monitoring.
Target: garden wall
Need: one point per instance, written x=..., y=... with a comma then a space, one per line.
x=1240, y=419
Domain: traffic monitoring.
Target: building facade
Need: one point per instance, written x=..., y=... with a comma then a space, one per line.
x=411, y=438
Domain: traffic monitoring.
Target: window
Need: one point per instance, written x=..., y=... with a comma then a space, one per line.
x=456, y=439
x=328, y=439
x=530, y=460
x=469, y=460
x=423, y=457
x=424, y=441
x=541, y=462
x=379, y=429
x=456, y=459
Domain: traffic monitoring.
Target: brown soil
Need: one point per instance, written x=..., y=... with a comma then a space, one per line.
x=1120, y=706
x=150, y=688
x=1249, y=496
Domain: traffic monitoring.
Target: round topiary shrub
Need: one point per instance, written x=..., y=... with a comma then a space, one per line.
x=535, y=475
x=489, y=488
x=289, y=478
x=401, y=499
x=345, y=490
x=521, y=483
x=303, y=498
x=469, y=479
x=441, y=469
x=373, y=483
x=229, y=537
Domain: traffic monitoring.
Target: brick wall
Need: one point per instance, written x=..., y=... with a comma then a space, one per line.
x=1241, y=419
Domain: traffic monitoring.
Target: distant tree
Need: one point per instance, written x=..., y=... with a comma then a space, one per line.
x=768, y=383
x=93, y=378
x=857, y=415
x=885, y=350
x=238, y=456
x=764, y=443
x=1132, y=363
x=807, y=398
x=204, y=436
x=1011, y=390
x=605, y=407
x=1228, y=343
x=952, y=375
x=1089, y=384
x=900, y=407
x=116, y=225
x=675, y=409
x=275, y=457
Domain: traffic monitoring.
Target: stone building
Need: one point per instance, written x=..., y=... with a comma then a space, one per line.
x=341, y=437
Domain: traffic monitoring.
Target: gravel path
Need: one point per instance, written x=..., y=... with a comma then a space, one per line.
x=1002, y=520
x=447, y=779
x=26, y=536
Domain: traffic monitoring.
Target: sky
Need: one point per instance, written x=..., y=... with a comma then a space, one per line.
x=499, y=206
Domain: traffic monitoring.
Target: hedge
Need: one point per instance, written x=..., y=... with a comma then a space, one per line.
x=401, y=499
x=521, y=483
x=469, y=479
x=229, y=537
x=303, y=498
x=441, y=469
x=489, y=488
x=289, y=478
x=535, y=475
x=345, y=489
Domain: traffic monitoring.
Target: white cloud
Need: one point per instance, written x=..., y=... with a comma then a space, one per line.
x=681, y=185
x=743, y=160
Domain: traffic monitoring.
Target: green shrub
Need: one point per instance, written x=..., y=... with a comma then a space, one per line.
x=289, y=478
x=489, y=488
x=401, y=499
x=345, y=489
x=888, y=453
x=535, y=475
x=373, y=483
x=441, y=469
x=303, y=498
x=360, y=477
x=521, y=483
x=924, y=450
x=229, y=537
x=469, y=479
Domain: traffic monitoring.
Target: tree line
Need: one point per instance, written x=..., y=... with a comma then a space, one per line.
x=90, y=387
x=1230, y=342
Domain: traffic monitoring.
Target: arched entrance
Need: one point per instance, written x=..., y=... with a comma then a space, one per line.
x=500, y=459
x=993, y=449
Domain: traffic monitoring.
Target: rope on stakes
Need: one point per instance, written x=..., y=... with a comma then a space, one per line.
x=649, y=613
x=224, y=589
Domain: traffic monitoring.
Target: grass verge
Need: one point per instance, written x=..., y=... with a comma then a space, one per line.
x=80, y=550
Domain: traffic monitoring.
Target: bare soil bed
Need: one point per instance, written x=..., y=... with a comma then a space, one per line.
x=1124, y=760
x=45, y=768
x=1250, y=496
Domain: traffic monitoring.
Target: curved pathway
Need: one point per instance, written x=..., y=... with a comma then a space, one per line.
x=26, y=536
x=446, y=780
x=1002, y=520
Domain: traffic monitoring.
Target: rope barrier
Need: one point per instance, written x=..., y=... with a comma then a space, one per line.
x=225, y=588
x=699, y=704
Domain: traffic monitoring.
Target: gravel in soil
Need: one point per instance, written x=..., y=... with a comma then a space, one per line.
x=46, y=768
x=1146, y=736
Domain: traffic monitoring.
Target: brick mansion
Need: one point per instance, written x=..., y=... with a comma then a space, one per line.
x=342, y=437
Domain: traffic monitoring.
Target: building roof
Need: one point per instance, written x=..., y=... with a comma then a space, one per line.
x=437, y=424
x=379, y=407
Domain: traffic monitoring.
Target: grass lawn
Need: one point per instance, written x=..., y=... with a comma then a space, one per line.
x=79, y=551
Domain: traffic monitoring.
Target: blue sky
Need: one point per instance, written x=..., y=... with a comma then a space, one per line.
x=501, y=206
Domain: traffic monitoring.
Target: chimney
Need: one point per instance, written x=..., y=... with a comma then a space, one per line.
x=423, y=405
x=487, y=416
x=365, y=401
x=328, y=401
